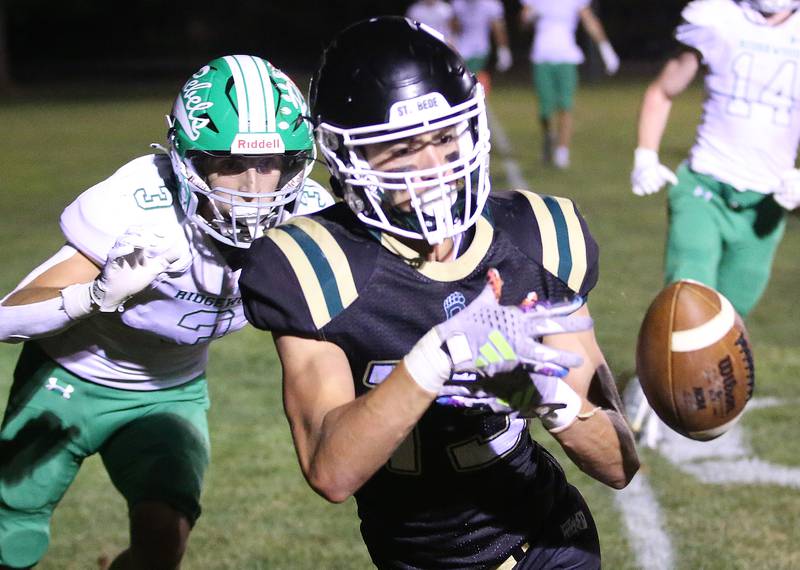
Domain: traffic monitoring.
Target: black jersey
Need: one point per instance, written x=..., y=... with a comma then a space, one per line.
x=466, y=486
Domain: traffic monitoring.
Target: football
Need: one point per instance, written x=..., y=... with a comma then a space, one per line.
x=694, y=360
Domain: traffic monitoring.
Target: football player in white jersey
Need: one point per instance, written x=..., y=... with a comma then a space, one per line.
x=437, y=14
x=116, y=325
x=478, y=22
x=555, y=57
x=728, y=201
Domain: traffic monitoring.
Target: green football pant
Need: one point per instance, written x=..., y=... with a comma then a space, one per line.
x=153, y=444
x=722, y=237
x=555, y=85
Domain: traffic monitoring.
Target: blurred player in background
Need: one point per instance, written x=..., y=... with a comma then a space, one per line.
x=478, y=23
x=728, y=201
x=555, y=57
x=117, y=323
x=406, y=382
x=437, y=14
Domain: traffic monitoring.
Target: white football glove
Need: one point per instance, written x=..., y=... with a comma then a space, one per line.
x=488, y=338
x=138, y=257
x=609, y=57
x=649, y=175
x=788, y=193
x=504, y=59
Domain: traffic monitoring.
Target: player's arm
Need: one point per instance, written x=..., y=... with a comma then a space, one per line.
x=676, y=75
x=649, y=175
x=527, y=16
x=599, y=442
x=342, y=440
x=593, y=26
x=69, y=287
x=67, y=267
x=500, y=34
x=35, y=308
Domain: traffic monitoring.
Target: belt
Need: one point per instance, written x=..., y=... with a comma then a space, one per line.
x=516, y=555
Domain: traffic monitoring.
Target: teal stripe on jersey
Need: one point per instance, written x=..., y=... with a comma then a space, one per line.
x=562, y=236
x=322, y=269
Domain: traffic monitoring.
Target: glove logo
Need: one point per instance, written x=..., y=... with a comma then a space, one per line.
x=66, y=392
x=454, y=303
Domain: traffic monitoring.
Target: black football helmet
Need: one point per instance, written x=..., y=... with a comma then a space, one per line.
x=390, y=78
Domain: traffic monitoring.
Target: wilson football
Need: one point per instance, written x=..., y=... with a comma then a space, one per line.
x=694, y=360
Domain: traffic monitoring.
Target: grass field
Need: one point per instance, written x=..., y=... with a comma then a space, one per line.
x=259, y=513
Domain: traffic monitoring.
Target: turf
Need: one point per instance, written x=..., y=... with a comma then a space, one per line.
x=259, y=513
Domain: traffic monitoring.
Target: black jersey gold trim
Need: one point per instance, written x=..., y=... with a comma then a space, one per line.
x=320, y=265
x=564, y=248
x=447, y=271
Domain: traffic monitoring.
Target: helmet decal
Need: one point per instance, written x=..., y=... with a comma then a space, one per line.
x=191, y=113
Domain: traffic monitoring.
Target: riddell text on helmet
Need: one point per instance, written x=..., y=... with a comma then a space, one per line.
x=257, y=143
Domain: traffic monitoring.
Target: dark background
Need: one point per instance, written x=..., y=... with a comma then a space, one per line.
x=135, y=40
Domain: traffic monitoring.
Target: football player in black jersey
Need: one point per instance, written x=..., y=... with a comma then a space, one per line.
x=408, y=382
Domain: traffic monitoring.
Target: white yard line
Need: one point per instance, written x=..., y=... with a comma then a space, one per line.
x=641, y=514
x=727, y=459
x=501, y=143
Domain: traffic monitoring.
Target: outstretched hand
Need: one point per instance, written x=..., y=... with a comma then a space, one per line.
x=489, y=338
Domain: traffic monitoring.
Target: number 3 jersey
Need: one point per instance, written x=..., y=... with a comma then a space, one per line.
x=465, y=487
x=749, y=131
x=161, y=339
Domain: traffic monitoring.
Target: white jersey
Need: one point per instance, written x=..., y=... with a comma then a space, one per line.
x=750, y=127
x=438, y=15
x=554, y=37
x=162, y=337
x=476, y=17
x=312, y=199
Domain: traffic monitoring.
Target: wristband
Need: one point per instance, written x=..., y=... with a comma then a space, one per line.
x=427, y=363
x=557, y=420
x=77, y=299
x=644, y=157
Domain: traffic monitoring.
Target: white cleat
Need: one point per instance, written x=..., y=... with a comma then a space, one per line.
x=645, y=424
x=561, y=157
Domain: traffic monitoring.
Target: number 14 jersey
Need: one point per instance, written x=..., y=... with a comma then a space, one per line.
x=750, y=128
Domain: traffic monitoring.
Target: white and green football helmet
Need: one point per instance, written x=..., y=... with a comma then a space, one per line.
x=239, y=106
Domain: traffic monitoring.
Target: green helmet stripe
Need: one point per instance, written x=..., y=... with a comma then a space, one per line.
x=251, y=120
x=266, y=89
x=254, y=94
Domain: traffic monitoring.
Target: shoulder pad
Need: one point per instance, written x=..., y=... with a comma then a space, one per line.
x=703, y=21
x=299, y=276
x=550, y=230
x=135, y=195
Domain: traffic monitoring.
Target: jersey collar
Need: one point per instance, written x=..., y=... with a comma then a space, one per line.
x=446, y=271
